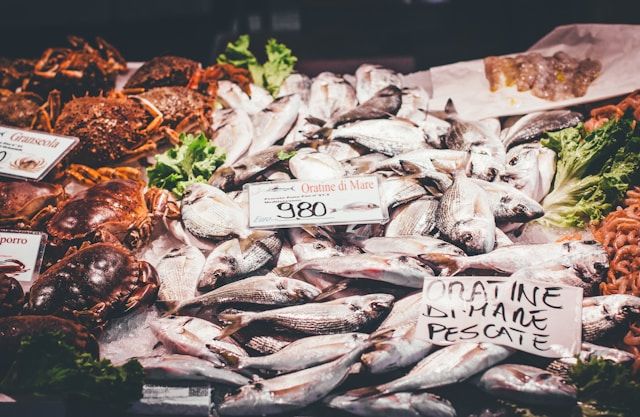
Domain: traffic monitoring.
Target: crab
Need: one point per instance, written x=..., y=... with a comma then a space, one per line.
x=27, y=205
x=117, y=210
x=93, y=284
x=77, y=70
x=11, y=295
x=13, y=72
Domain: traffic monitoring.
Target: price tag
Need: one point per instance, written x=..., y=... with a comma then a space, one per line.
x=21, y=254
x=535, y=317
x=349, y=200
x=26, y=154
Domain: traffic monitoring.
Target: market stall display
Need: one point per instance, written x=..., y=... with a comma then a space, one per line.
x=153, y=254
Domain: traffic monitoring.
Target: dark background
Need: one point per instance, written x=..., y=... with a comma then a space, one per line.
x=325, y=34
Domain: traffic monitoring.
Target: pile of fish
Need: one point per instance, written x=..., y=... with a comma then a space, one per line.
x=326, y=316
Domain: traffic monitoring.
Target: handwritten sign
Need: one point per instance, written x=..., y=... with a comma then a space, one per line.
x=349, y=200
x=26, y=154
x=21, y=254
x=535, y=317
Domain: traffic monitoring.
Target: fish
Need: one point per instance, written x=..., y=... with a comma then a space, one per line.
x=343, y=315
x=464, y=217
x=195, y=337
x=407, y=245
x=405, y=310
x=176, y=367
x=436, y=130
x=355, y=207
x=530, y=168
x=415, y=104
x=558, y=274
x=340, y=151
x=232, y=131
x=286, y=255
x=502, y=239
x=330, y=95
x=264, y=344
x=231, y=95
x=533, y=125
x=508, y=204
x=361, y=164
x=527, y=385
x=484, y=166
x=306, y=352
x=399, y=349
x=235, y=258
x=399, y=404
x=207, y=212
x=372, y=78
x=450, y=365
x=315, y=166
x=590, y=351
x=291, y=391
x=414, y=218
x=588, y=257
x=383, y=104
x=178, y=273
x=444, y=160
x=396, y=191
x=274, y=122
x=394, y=269
x=606, y=314
x=296, y=83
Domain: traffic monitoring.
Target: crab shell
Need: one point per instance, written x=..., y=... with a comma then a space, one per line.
x=19, y=109
x=14, y=71
x=25, y=205
x=11, y=296
x=93, y=284
x=182, y=108
x=163, y=71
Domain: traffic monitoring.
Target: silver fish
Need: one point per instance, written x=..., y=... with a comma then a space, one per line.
x=401, y=190
x=330, y=95
x=340, y=151
x=605, y=314
x=175, y=367
x=372, y=78
x=502, y=239
x=528, y=385
x=530, y=127
x=383, y=104
x=264, y=344
x=315, y=166
x=399, y=349
x=361, y=164
x=530, y=168
x=415, y=103
x=408, y=245
x=178, y=273
x=464, y=217
x=233, y=132
x=432, y=179
x=209, y=213
x=231, y=95
x=387, y=136
x=235, y=259
x=399, y=404
x=195, y=337
x=296, y=83
x=436, y=130
x=508, y=204
x=444, y=160
x=306, y=352
x=590, y=351
x=347, y=314
x=286, y=255
x=274, y=122
x=291, y=391
x=405, y=310
x=414, y=218
x=483, y=165
x=558, y=274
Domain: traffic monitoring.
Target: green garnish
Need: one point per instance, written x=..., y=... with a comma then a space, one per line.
x=285, y=156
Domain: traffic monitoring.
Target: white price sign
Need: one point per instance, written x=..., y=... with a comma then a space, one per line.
x=535, y=317
x=30, y=155
x=349, y=200
x=21, y=254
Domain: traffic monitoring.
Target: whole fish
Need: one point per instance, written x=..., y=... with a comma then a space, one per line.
x=530, y=127
x=530, y=168
x=399, y=404
x=175, y=367
x=401, y=190
x=408, y=245
x=347, y=314
x=292, y=391
x=296, y=83
x=405, y=310
x=395, y=269
x=606, y=314
x=415, y=103
x=558, y=274
x=464, y=217
x=508, y=204
x=444, y=160
x=238, y=258
x=233, y=132
x=330, y=95
x=306, y=352
x=315, y=166
x=586, y=256
x=231, y=95
x=590, y=351
x=178, y=272
x=195, y=337
x=209, y=213
x=528, y=385
x=340, y=151
x=372, y=78
x=383, y=104
x=414, y=218
x=274, y=122
x=449, y=365
x=399, y=349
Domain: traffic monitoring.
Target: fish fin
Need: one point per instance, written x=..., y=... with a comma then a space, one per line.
x=317, y=231
x=364, y=392
x=403, y=119
x=450, y=108
x=236, y=321
x=228, y=358
x=286, y=271
x=448, y=265
x=315, y=121
x=381, y=334
x=322, y=133
x=332, y=290
x=255, y=236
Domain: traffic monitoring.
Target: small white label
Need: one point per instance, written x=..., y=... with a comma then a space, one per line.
x=538, y=318
x=27, y=154
x=349, y=200
x=21, y=253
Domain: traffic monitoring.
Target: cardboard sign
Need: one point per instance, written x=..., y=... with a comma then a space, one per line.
x=26, y=154
x=349, y=200
x=21, y=254
x=535, y=317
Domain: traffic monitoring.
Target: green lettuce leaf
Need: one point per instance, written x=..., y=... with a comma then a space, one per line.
x=285, y=156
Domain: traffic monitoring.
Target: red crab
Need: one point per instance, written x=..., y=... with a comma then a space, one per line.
x=28, y=110
x=27, y=205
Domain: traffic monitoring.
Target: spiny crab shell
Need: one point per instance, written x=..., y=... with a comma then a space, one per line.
x=163, y=71
x=25, y=204
x=93, y=284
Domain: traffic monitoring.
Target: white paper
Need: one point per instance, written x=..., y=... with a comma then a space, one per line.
x=615, y=46
x=539, y=318
x=22, y=252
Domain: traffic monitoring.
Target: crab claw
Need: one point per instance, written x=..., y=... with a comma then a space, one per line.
x=147, y=290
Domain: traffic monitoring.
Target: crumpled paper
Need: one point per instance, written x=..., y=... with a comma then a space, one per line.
x=615, y=46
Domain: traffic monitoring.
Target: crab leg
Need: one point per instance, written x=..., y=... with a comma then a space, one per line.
x=157, y=114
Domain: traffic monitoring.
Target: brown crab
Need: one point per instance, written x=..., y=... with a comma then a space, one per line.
x=163, y=71
x=93, y=284
x=13, y=72
x=11, y=295
x=26, y=205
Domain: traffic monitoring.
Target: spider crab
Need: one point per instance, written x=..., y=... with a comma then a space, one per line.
x=13, y=72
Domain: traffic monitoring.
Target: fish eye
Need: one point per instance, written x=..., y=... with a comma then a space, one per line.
x=467, y=237
x=600, y=267
x=492, y=173
x=520, y=208
x=513, y=161
x=217, y=273
x=319, y=246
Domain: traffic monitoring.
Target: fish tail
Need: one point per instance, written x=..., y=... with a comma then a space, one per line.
x=236, y=321
x=332, y=290
x=228, y=357
x=447, y=264
x=364, y=392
